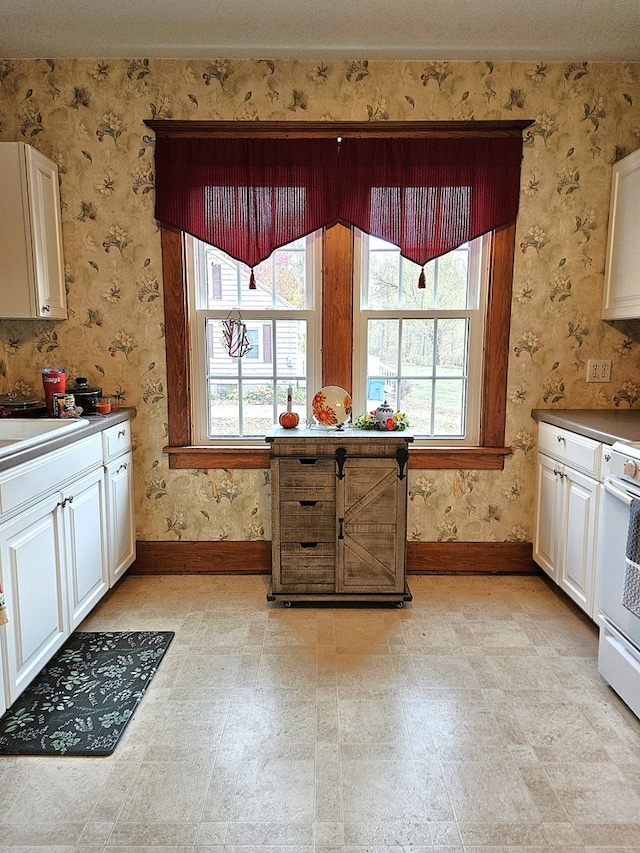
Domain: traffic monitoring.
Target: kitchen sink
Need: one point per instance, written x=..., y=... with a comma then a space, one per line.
x=18, y=434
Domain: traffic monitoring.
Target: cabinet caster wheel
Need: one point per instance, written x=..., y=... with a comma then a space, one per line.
x=287, y=603
x=399, y=605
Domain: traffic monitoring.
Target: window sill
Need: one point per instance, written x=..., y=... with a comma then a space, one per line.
x=468, y=458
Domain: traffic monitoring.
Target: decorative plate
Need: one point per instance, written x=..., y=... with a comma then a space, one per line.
x=331, y=406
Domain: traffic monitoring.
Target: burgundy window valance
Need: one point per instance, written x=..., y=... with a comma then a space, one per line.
x=250, y=195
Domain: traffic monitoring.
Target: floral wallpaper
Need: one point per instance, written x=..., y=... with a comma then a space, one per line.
x=88, y=116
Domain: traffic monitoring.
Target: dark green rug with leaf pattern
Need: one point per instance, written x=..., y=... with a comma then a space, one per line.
x=84, y=697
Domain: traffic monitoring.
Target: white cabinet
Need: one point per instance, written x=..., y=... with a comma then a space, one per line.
x=85, y=541
x=53, y=554
x=32, y=281
x=120, y=508
x=34, y=583
x=566, y=511
x=622, y=266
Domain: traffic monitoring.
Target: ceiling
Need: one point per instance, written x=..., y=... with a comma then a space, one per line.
x=524, y=30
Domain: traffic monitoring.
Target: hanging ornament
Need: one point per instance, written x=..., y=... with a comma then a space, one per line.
x=422, y=282
x=234, y=336
x=252, y=280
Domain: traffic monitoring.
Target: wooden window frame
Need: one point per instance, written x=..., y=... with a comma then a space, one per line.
x=337, y=311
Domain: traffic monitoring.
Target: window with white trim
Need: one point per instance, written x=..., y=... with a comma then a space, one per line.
x=421, y=350
x=418, y=349
x=236, y=400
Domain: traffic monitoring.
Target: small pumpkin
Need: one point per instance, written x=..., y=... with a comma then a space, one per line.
x=289, y=420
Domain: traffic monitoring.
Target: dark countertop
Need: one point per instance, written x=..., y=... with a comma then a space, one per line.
x=606, y=425
x=97, y=423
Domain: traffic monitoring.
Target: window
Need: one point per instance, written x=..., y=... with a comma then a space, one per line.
x=338, y=305
x=237, y=400
x=418, y=349
x=421, y=349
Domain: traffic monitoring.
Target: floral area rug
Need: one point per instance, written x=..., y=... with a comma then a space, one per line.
x=82, y=700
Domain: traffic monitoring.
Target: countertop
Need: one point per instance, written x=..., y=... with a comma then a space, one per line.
x=606, y=425
x=96, y=423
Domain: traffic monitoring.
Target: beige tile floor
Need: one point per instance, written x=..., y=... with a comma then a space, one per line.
x=471, y=720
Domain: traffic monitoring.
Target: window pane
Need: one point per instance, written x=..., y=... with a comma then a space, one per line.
x=452, y=278
x=291, y=347
x=223, y=407
x=257, y=407
x=241, y=390
x=418, y=337
x=384, y=275
x=280, y=280
x=298, y=398
x=384, y=341
x=379, y=390
x=415, y=400
x=451, y=352
x=448, y=407
x=417, y=347
x=285, y=271
x=218, y=360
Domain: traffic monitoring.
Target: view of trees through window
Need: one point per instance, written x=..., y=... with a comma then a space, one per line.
x=418, y=339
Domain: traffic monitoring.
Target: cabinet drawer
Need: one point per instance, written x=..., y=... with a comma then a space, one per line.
x=307, y=565
x=47, y=473
x=307, y=521
x=116, y=440
x=303, y=480
x=576, y=450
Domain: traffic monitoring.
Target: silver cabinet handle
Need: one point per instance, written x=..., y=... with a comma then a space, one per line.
x=45, y=309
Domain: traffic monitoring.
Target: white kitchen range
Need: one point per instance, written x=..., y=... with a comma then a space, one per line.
x=619, y=599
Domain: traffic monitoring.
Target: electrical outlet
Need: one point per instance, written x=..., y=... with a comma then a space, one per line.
x=599, y=370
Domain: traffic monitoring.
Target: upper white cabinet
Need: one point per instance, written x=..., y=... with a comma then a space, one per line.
x=622, y=268
x=31, y=261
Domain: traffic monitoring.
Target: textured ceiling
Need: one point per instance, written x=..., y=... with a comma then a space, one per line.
x=527, y=30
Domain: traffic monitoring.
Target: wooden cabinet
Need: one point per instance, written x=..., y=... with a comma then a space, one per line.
x=31, y=259
x=118, y=458
x=339, y=509
x=566, y=512
x=622, y=266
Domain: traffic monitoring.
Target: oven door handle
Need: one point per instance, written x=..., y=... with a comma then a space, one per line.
x=619, y=494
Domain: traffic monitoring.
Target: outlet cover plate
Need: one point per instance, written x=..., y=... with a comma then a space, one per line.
x=599, y=370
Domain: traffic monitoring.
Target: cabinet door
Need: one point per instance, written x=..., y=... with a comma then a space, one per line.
x=84, y=512
x=34, y=585
x=46, y=236
x=371, y=527
x=621, y=297
x=120, y=516
x=548, y=506
x=3, y=701
x=577, y=566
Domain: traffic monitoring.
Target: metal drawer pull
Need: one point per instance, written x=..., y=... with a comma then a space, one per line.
x=307, y=503
x=308, y=461
x=123, y=467
x=122, y=433
x=341, y=531
x=308, y=544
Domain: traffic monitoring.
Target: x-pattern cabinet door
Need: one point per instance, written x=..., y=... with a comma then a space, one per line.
x=371, y=507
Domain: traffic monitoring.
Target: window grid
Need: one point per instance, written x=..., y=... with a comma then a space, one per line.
x=463, y=429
